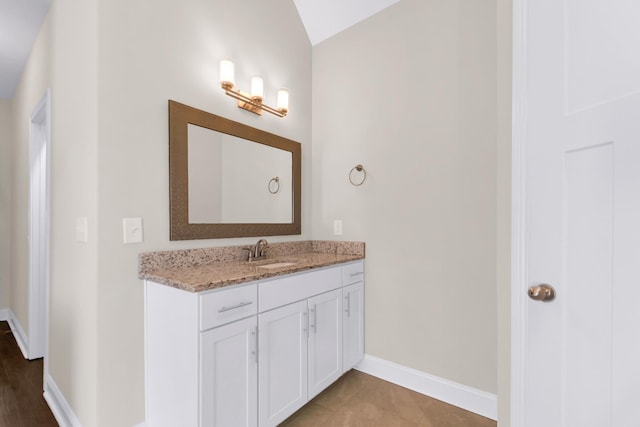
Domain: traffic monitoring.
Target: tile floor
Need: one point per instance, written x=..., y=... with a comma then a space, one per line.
x=355, y=400
x=360, y=400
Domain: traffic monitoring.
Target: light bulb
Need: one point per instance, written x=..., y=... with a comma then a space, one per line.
x=282, y=102
x=257, y=89
x=226, y=74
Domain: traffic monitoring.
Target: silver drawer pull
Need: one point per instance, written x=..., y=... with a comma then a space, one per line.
x=357, y=274
x=233, y=307
x=348, y=310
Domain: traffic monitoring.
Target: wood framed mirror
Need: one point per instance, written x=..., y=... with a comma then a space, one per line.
x=227, y=179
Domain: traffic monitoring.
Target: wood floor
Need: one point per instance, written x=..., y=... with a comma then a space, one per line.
x=21, y=401
x=360, y=400
x=355, y=400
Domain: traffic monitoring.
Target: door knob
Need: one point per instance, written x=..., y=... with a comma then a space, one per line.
x=542, y=292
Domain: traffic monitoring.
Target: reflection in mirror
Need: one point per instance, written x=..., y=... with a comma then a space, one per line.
x=229, y=180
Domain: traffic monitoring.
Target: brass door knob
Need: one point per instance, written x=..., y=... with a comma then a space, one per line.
x=542, y=292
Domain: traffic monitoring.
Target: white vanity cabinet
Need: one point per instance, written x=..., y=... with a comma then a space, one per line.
x=301, y=354
x=300, y=328
x=325, y=341
x=283, y=362
x=229, y=357
x=200, y=356
x=353, y=315
x=252, y=354
x=229, y=375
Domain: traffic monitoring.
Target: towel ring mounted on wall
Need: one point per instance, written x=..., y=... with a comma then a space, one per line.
x=274, y=185
x=353, y=178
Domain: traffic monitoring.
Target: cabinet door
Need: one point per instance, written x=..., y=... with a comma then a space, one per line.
x=325, y=340
x=283, y=335
x=229, y=375
x=353, y=325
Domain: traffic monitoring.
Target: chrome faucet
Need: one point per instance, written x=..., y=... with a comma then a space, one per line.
x=258, y=251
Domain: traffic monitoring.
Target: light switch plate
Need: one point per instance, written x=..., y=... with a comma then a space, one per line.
x=132, y=230
x=82, y=233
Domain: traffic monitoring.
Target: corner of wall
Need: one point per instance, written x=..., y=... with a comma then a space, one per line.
x=6, y=180
x=59, y=406
x=504, y=44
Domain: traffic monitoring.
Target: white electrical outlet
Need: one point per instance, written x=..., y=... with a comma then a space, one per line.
x=337, y=227
x=132, y=230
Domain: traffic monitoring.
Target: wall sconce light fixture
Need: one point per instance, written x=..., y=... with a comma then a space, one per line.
x=251, y=102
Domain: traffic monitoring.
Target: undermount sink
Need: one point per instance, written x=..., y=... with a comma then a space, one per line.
x=277, y=264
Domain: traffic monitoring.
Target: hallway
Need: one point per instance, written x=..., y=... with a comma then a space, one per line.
x=21, y=401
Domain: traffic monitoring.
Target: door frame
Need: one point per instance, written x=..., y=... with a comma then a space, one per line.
x=39, y=229
x=519, y=277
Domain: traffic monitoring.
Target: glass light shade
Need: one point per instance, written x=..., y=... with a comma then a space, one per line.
x=282, y=102
x=257, y=88
x=226, y=73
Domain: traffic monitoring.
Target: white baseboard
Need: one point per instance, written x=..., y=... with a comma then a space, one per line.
x=53, y=396
x=18, y=333
x=4, y=314
x=468, y=398
x=141, y=425
x=58, y=404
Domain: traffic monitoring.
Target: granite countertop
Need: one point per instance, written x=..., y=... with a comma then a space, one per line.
x=199, y=270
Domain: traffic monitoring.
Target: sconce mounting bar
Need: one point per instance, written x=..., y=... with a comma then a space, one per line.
x=246, y=102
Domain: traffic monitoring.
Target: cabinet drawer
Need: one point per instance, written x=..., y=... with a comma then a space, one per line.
x=279, y=292
x=353, y=273
x=224, y=306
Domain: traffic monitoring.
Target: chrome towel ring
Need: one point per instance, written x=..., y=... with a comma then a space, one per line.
x=359, y=177
x=274, y=185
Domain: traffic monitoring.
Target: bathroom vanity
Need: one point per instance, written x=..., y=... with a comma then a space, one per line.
x=248, y=344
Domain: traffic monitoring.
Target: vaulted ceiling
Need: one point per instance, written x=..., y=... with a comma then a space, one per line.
x=325, y=18
x=20, y=21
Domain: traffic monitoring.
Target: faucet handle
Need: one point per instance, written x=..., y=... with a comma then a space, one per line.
x=250, y=250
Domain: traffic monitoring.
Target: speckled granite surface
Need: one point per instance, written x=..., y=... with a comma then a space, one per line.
x=198, y=270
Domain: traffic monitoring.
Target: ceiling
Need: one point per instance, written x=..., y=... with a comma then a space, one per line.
x=325, y=18
x=20, y=21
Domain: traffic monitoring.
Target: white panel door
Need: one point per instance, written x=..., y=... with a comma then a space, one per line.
x=282, y=344
x=577, y=198
x=39, y=233
x=352, y=325
x=325, y=340
x=229, y=375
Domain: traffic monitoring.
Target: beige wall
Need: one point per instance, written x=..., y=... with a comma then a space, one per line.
x=146, y=59
x=73, y=351
x=504, y=210
x=6, y=168
x=411, y=94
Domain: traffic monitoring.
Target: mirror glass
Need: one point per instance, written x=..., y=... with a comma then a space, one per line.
x=227, y=179
x=222, y=167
